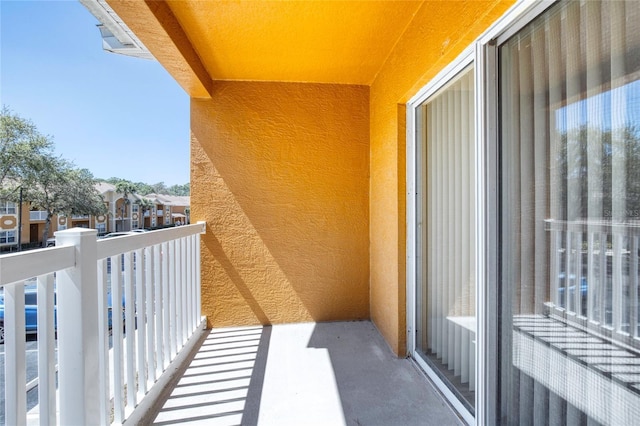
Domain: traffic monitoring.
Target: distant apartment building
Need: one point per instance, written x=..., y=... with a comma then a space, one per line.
x=123, y=214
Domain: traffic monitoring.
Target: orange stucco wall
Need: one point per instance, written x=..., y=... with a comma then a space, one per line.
x=438, y=33
x=280, y=173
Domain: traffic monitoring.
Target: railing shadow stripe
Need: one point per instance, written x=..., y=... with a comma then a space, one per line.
x=196, y=418
x=200, y=405
x=211, y=373
x=225, y=356
x=210, y=382
x=207, y=392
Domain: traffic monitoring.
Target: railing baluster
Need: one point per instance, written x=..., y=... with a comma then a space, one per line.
x=15, y=375
x=602, y=280
x=198, y=283
x=186, y=332
x=166, y=343
x=190, y=254
x=150, y=320
x=46, y=351
x=130, y=330
x=633, y=284
x=157, y=272
x=141, y=312
x=103, y=357
x=178, y=294
x=617, y=281
x=172, y=299
x=116, y=330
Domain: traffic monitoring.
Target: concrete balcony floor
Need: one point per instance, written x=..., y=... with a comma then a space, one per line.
x=339, y=373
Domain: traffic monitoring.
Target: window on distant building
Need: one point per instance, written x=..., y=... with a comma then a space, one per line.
x=8, y=207
x=8, y=237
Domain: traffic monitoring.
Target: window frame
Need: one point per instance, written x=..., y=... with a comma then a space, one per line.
x=482, y=54
x=414, y=199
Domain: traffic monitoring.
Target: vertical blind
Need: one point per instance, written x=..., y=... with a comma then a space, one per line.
x=447, y=292
x=570, y=217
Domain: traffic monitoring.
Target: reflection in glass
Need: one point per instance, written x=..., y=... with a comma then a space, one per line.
x=570, y=217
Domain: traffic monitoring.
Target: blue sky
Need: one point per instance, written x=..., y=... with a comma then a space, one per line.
x=112, y=114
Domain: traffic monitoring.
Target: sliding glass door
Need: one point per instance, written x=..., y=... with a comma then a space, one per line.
x=446, y=285
x=569, y=217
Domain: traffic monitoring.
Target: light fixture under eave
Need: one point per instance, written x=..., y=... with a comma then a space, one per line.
x=116, y=36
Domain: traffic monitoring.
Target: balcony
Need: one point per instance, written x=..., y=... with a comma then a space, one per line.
x=167, y=368
x=37, y=215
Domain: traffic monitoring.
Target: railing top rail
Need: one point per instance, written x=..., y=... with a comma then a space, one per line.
x=28, y=264
x=114, y=246
x=607, y=226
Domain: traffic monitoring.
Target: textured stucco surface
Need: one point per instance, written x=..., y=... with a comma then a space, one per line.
x=159, y=30
x=438, y=33
x=294, y=41
x=280, y=172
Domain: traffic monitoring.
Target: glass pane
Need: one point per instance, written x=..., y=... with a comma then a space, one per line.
x=447, y=321
x=570, y=217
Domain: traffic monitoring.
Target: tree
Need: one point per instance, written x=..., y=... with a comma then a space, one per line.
x=585, y=153
x=20, y=142
x=187, y=212
x=181, y=190
x=56, y=186
x=126, y=188
x=160, y=188
x=145, y=205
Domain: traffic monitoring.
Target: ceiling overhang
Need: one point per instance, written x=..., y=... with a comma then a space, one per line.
x=198, y=42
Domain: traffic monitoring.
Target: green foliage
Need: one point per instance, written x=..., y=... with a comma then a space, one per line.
x=145, y=205
x=156, y=188
x=596, y=167
x=180, y=189
x=20, y=142
x=48, y=182
x=56, y=186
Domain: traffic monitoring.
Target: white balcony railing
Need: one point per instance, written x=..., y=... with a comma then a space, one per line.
x=595, y=277
x=155, y=275
x=38, y=215
x=159, y=212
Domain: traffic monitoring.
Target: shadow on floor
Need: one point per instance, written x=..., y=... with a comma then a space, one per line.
x=324, y=374
x=223, y=383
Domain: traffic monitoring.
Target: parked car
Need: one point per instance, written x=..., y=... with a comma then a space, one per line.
x=31, y=311
x=119, y=234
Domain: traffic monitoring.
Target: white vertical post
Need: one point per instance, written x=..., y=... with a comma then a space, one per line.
x=141, y=314
x=15, y=370
x=198, y=276
x=78, y=340
x=178, y=294
x=150, y=321
x=173, y=332
x=46, y=351
x=157, y=273
x=166, y=342
x=103, y=324
x=130, y=330
x=116, y=331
